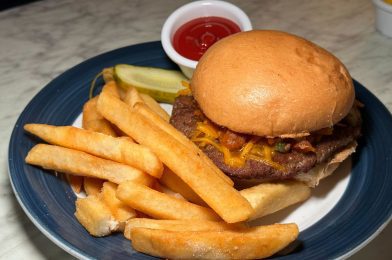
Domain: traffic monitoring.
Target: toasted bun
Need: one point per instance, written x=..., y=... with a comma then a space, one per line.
x=312, y=178
x=272, y=83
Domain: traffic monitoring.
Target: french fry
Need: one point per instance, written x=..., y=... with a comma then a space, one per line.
x=254, y=243
x=113, y=89
x=174, y=183
x=119, y=210
x=82, y=164
x=94, y=121
x=108, y=74
x=267, y=198
x=76, y=182
x=154, y=106
x=217, y=193
x=92, y=186
x=94, y=216
x=180, y=137
x=159, y=205
x=162, y=188
x=179, y=225
x=132, y=97
x=118, y=149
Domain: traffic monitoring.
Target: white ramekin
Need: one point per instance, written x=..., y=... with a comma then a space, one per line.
x=194, y=10
x=383, y=17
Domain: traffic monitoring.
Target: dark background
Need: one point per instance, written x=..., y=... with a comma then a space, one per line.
x=5, y=4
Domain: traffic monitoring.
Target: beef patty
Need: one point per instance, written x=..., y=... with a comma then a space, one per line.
x=186, y=113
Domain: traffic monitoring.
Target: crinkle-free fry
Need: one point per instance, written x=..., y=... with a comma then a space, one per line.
x=118, y=149
x=132, y=97
x=154, y=106
x=94, y=121
x=172, y=181
x=120, y=211
x=180, y=137
x=94, y=216
x=108, y=74
x=253, y=243
x=217, y=193
x=79, y=163
x=112, y=89
x=267, y=198
x=92, y=186
x=162, y=188
x=76, y=182
x=179, y=225
x=159, y=205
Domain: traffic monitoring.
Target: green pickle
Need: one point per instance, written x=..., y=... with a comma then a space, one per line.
x=161, y=84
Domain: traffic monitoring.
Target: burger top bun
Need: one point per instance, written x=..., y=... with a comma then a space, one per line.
x=272, y=83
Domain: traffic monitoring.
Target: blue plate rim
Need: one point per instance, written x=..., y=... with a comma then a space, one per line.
x=62, y=243
x=68, y=247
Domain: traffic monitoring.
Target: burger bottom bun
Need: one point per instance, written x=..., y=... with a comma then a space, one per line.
x=313, y=177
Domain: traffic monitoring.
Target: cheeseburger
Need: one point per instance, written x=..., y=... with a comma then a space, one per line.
x=268, y=105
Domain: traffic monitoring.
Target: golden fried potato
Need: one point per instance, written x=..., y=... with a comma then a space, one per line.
x=154, y=106
x=76, y=182
x=179, y=225
x=119, y=149
x=180, y=137
x=217, y=193
x=267, y=198
x=132, y=97
x=174, y=182
x=159, y=205
x=94, y=121
x=162, y=188
x=120, y=211
x=93, y=214
x=82, y=164
x=253, y=243
x=92, y=186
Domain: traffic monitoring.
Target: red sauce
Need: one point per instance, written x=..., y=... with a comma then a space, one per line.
x=193, y=38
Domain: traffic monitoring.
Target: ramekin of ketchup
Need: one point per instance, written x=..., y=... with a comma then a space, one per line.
x=191, y=29
x=193, y=38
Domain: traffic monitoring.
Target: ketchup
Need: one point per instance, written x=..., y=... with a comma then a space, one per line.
x=193, y=38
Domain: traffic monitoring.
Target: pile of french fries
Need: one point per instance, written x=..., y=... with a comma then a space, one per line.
x=144, y=178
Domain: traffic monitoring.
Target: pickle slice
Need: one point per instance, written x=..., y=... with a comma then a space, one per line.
x=161, y=84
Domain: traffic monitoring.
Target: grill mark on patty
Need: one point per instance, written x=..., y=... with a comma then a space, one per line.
x=186, y=113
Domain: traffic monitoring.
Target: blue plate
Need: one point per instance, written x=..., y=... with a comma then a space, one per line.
x=364, y=209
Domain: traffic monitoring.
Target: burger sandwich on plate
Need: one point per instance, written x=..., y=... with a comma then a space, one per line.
x=268, y=105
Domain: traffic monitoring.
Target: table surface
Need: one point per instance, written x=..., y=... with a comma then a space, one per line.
x=39, y=41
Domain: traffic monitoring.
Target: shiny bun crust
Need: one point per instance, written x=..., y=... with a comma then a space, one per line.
x=271, y=83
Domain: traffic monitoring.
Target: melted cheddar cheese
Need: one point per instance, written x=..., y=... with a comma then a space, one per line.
x=206, y=133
